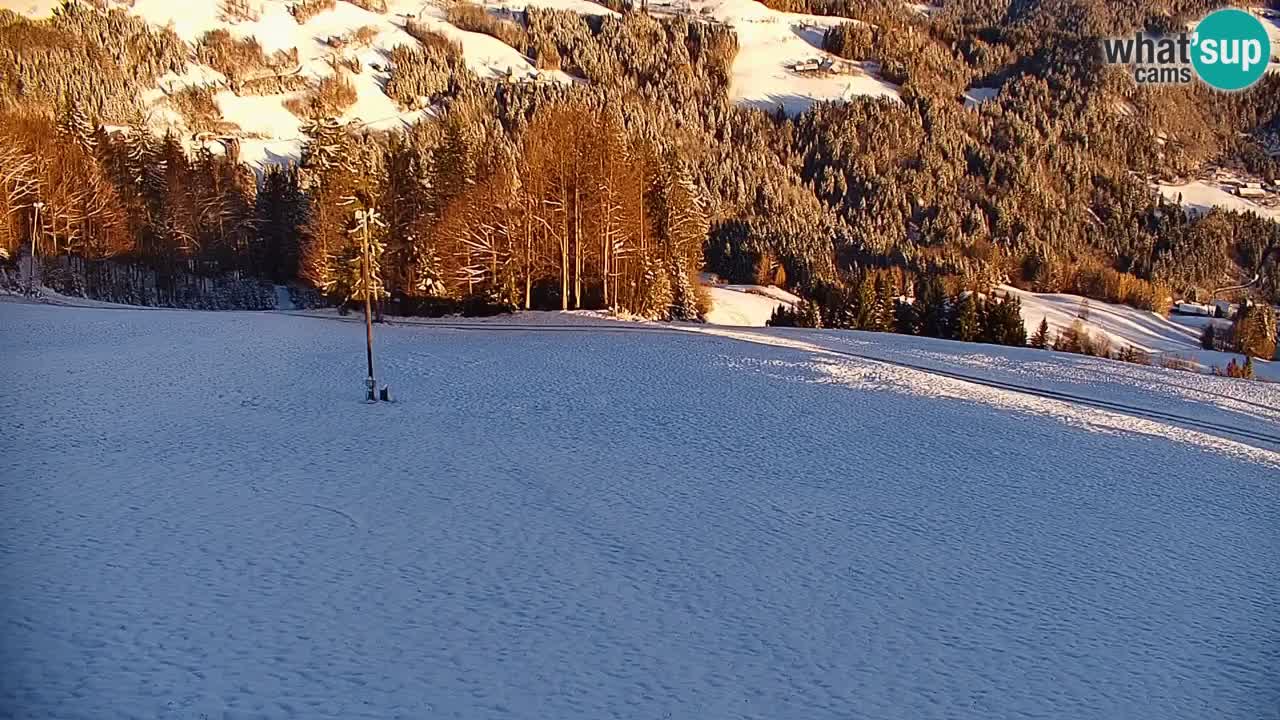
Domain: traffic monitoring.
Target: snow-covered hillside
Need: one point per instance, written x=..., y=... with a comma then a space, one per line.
x=203, y=520
x=1200, y=196
x=1172, y=338
x=32, y=8
x=272, y=132
x=746, y=305
x=771, y=44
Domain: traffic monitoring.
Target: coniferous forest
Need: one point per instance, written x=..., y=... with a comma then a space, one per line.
x=616, y=191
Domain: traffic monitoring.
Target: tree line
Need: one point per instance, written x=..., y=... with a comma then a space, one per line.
x=886, y=301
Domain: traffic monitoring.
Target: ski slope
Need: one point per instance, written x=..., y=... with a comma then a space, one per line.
x=617, y=521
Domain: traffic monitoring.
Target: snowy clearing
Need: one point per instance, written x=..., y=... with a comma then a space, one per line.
x=1201, y=196
x=770, y=42
x=202, y=519
x=746, y=305
x=975, y=96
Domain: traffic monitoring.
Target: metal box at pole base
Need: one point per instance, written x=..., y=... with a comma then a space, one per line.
x=370, y=387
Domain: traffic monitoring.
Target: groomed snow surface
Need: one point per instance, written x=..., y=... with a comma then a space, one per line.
x=202, y=519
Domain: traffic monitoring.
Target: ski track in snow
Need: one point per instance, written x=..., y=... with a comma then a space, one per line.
x=203, y=519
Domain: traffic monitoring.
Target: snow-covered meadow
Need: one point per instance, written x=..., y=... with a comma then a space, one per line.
x=632, y=521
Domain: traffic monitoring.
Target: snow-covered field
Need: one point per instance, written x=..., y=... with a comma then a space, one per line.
x=746, y=305
x=203, y=520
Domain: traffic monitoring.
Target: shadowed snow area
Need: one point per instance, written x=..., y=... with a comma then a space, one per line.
x=202, y=519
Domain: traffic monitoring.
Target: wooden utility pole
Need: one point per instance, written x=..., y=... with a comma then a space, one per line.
x=35, y=250
x=364, y=221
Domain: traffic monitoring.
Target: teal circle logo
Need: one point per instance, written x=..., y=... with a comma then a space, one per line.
x=1231, y=49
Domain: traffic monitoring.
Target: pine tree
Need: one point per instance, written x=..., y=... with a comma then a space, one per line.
x=656, y=293
x=1255, y=331
x=1041, y=339
x=1013, y=329
x=883, y=317
x=905, y=319
x=684, y=301
x=965, y=322
x=279, y=214
x=362, y=258
x=864, y=299
x=932, y=308
x=428, y=277
x=810, y=315
x=76, y=126
x=990, y=321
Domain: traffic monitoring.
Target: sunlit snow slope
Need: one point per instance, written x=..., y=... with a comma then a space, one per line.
x=763, y=75
x=1200, y=196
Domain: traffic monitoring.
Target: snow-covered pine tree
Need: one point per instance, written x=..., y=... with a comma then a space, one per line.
x=428, y=277
x=655, y=290
x=362, y=258
x=1041, y=339
x=75, y=125
x=1254, y=331
x=684, y=301
x=864, y=302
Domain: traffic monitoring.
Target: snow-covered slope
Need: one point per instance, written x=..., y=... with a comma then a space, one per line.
x=272, y=131
x=771, y=43
x=1124, y=326
x=1159, y=336
x=1201, y=196
x=763, y=75
x=746, y=305
x=202, y=519
x=30, y=8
